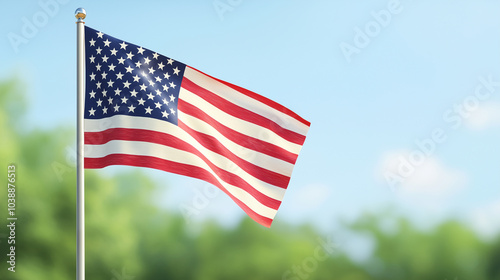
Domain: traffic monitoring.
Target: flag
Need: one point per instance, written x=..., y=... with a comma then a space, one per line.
x=148, y=110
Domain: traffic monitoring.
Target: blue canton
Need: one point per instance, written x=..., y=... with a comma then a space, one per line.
x=125, y=79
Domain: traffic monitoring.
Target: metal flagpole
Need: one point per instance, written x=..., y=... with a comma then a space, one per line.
x=80, y=15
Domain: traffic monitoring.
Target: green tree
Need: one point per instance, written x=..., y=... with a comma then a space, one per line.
x=129, y=237
x=449, y=251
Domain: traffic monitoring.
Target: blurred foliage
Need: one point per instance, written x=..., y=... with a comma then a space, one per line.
x=129, y=237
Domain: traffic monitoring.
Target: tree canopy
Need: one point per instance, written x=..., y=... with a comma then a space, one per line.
x=129, y=237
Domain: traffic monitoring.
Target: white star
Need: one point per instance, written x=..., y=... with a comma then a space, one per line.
x=172, y=111
x=158, y=79
x=105, y=58
x=130, y=55
x=91, y=111
x=164, y=114
x=124, y=99
x=92, y=42
x=99, y=34
x=146, y=60
x=99, y=103
x=160, y=66
x=119, y=76
x=117, y=108
x=104, y=92
x=131, y=108
x=141, y=101
x=140, y=50
x=158, y=92
x=123, y=46
x=165, y=87
x=158, y=105
x=151, y=70
x=121, y=60
x=172, y=98
x=143, y=87
x=104, y=74
x=165, y=101
x=110, y=83
x=148, y=110
x=111, y=67
x=92, y=94
x=136, y=78
x=92, y=76
x=98, y=67
x=105, y=110
x=114, y=51
x=133, y=93
x=166, y=76
x=98, y=84
x=118, y=91
x=155, y=56
x=126, y=84
x=172, y=85
x=138, y=64
x=144, y=74
x=98, y=50
x=129, y=69
x=107, y=42
x=176, y=71
x=151, y=96
x=151, y=83
x=110, y=101
x=92, y=59
x=170, y=61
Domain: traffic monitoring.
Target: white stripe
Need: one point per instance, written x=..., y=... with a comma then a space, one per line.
x=245, y=101
x=172, y=154
x=265, y=161
x=237, y=124
x=227, y=165
x=123, y=121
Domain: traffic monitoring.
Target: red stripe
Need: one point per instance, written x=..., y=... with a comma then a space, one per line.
x=173, y=167
x=258, y=172
x=260, y=98
x=242, y=113
x=207, y=141
x=237, y=137
x=174, y=142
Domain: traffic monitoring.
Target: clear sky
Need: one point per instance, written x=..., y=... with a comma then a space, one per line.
x=403, y=96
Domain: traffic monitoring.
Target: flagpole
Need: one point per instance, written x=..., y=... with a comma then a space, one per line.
x=80, y=15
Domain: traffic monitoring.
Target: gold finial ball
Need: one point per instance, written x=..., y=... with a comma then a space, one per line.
x=80, y=13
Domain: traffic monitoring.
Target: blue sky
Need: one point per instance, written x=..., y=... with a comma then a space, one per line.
x=413, y=68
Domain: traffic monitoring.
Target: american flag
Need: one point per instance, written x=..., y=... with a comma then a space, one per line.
x=145, y=109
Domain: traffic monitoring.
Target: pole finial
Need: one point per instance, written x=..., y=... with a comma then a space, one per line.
x=80, y=14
